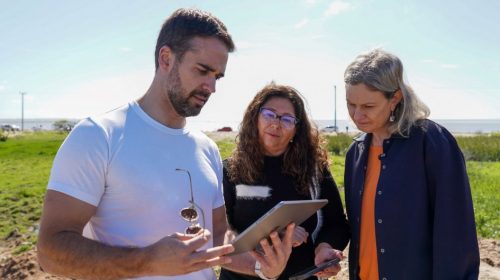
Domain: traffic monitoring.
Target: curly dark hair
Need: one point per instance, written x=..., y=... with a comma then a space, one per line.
x=304, y=158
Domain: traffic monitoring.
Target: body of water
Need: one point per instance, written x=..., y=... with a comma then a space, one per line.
x=455, y=126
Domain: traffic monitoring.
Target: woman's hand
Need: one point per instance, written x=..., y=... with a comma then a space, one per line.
x=275, y=257
x=300, y=236
x=323, y=253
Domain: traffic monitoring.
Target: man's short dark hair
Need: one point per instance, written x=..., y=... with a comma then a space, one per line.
x=185, y=24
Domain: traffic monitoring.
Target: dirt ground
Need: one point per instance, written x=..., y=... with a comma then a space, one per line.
x=25, y=265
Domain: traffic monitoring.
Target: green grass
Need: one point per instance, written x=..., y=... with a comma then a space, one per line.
x=485, y=187
x=25, y=162
x=484, y=175
x=481, y=147
x=226, y=147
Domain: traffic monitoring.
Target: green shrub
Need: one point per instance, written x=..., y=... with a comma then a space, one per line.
x=480, y=147
x=475, y=148
x=25, y=162
x=338, y=144
x=226, y=147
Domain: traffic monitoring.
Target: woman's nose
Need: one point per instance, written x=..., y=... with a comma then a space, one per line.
x=357, y=115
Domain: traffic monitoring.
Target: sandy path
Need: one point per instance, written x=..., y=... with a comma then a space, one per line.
x=25, y=265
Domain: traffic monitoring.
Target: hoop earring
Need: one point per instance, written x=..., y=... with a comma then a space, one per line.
x=392, y=117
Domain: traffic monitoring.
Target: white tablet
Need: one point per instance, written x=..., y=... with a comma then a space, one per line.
x=276, y=219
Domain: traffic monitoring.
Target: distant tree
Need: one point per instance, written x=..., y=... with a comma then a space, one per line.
x=63, y=125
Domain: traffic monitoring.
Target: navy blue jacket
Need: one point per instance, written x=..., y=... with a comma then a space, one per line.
x=424, y=219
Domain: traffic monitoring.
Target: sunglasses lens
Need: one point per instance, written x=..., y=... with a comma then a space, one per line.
x=193, y=229
x=268, y=114
x=189, y=214
x=288, y=121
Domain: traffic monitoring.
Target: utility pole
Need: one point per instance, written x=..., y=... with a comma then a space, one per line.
x=335, y=111
x=22, y=109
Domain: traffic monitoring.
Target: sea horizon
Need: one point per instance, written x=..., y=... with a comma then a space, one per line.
x=472, y=126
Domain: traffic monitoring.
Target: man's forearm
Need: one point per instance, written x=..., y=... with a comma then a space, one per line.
x=72, y=255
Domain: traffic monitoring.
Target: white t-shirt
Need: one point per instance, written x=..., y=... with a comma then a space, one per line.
x=124, y=163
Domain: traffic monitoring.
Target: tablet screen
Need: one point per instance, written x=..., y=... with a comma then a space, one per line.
x=276, y=219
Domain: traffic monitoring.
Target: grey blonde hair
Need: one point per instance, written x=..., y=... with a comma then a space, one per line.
x=382, y=71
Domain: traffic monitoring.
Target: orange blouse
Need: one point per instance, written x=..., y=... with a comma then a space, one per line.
x=368, y=263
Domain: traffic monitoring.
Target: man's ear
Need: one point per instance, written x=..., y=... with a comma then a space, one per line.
x=166, y=58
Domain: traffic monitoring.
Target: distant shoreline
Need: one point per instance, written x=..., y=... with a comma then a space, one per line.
x=456, y=126
x=231, y=135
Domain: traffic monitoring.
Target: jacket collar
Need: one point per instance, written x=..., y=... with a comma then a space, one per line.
x=367, y=137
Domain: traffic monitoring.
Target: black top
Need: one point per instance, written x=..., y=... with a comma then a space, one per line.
x=424, y=218
x=247, y=203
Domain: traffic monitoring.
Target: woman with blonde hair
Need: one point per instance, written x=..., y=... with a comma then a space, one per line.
x=407, y=192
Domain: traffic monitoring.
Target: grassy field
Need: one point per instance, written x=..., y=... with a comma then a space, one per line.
x=25, y=162
x=484, y=175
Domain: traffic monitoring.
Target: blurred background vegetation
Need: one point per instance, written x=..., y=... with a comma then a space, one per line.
x=26, y=159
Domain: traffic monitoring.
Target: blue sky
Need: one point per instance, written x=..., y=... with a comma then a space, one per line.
x=80, y=58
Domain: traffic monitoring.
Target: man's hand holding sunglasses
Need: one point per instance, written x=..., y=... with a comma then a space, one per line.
x=178, y=254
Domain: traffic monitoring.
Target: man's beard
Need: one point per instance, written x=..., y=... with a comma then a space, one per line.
x=178, y=97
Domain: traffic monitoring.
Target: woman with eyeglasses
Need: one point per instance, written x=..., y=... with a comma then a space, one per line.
x=278, y=157
x=406, y=187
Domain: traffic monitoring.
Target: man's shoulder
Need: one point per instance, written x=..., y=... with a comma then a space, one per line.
x=102, y=125
x=112, y=118
x=201, y=137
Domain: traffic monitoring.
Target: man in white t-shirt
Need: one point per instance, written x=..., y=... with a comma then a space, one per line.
x=134, y=193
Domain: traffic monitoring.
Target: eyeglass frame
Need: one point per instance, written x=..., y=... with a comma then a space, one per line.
x=193, y=204
x=279, y=118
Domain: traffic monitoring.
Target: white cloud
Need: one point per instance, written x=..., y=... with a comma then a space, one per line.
x=450, y=102
x=125, y=49
x=314, y=75
x=93, y=97
x=311, y=2
x=301, y=23
x=440, y=64
x=3, y=85
x=336, y=7
x=247, y=45
x=449, y=66
x=318, y=37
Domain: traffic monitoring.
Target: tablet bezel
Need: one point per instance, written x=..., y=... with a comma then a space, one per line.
x=276, y=219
